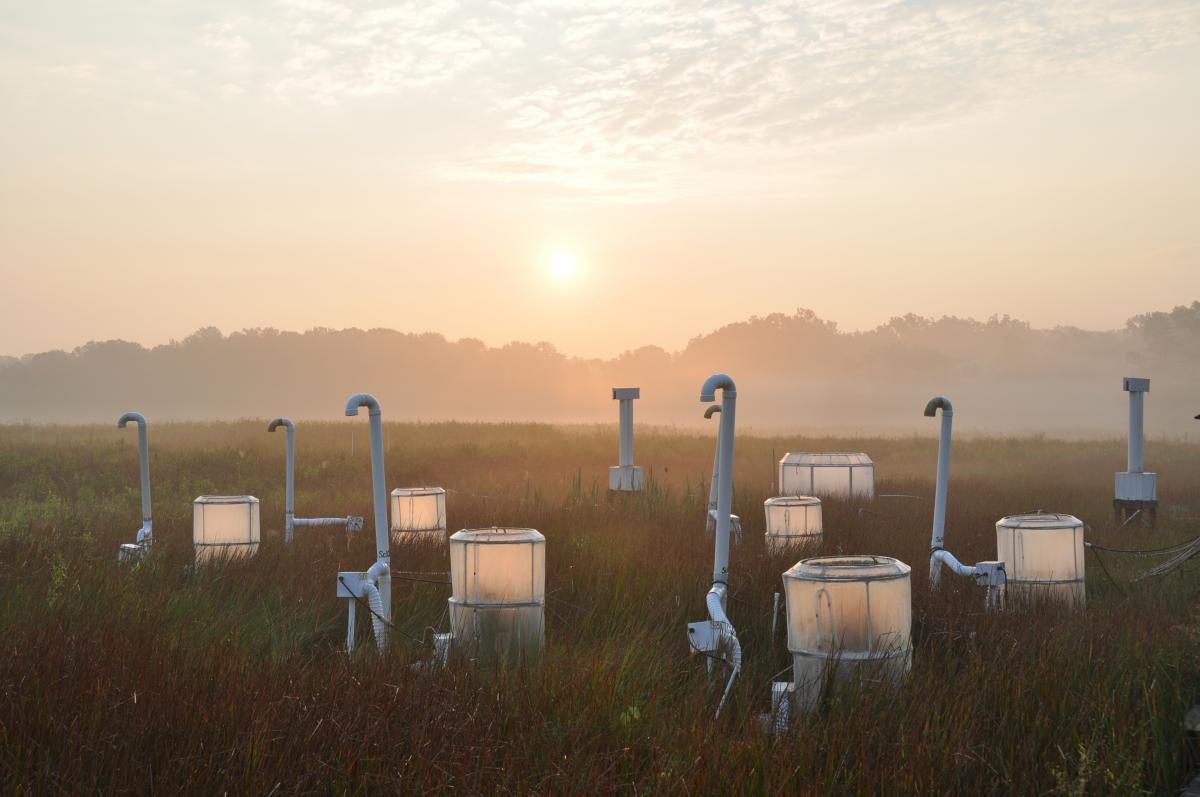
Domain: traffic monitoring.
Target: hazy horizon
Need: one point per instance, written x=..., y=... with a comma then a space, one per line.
x=600, y=355
x=794, y=371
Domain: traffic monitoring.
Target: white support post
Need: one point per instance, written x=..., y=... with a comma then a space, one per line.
x=625, y=476
x=1135, y=489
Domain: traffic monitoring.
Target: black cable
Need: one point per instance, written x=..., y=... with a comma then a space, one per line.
x=695, y=649
x=1145, y=551
x=1104, y=567
x=382, y=619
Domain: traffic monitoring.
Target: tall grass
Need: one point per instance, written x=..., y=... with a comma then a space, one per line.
x=157, y=677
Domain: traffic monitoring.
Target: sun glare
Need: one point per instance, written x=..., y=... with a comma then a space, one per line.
x=563, y=266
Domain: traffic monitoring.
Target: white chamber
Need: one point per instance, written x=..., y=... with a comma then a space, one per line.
x=1043, y=558
x=418, y=514
x=498, y=578
x=225, y=526
x=827, y=474
x=792, y=521
x=851, y=615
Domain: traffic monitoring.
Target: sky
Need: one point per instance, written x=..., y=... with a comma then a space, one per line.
x=600, y=175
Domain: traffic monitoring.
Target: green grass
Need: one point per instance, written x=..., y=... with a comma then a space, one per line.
x=232, y=679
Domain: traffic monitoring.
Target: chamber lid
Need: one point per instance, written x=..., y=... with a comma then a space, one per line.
x=226, y=499
x=826, y=459
x=411, y=492
x=792, y=500
x=848, y=568
x=498, y=535
x=1040, y=521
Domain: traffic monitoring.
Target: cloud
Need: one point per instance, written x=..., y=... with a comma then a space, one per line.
x=596, y=94
x=621, y=95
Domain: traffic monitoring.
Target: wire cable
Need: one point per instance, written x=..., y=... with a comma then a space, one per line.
x=381, y=618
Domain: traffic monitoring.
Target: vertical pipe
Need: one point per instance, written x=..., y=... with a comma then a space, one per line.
x=143, y=468
x=383, y=550
x=938, y=535
x=626, y=415
x=289, y=489
x=712, y=484
x=1136, y=433
x=724, y=469
x=943, y=480
x=716, y=469
x=289, y=506
x=383, y=541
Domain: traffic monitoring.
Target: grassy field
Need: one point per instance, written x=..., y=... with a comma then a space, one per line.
x=159, y=678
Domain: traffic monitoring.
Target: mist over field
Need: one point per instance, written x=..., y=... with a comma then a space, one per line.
x=794, y=372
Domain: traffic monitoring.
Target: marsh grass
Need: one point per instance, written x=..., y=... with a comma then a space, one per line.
x=159, y=677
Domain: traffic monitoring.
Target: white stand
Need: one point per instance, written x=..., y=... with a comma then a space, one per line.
x=626, y=477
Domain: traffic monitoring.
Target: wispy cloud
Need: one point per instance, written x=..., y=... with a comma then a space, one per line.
x=608, y=95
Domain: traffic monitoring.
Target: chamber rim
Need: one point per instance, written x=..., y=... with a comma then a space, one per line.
x=901, y=570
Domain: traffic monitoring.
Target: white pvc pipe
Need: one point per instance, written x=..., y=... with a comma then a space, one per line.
x=938, y=556
x=625, y=456
x=1137, y=440
x=943, y=467
x=716, y=468
x=289, y=506
x=380, y=572
x=145, y=534
x=724, y=459
x=290, y=521
x=715, y=599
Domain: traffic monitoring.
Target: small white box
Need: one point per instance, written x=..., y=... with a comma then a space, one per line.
x=625, y=478
x=1137, y=486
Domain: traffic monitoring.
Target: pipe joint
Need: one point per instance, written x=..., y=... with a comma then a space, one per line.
x=134, y=417
x=362, y=400
x=284, y=422
x=722, y=382
x=938, y=403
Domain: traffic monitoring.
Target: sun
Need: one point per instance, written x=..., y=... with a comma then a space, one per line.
x=563, y=266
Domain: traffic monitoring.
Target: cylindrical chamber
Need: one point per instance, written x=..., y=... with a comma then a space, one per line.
x=1043, y=558
x=498, y=579
x=851, y=615
x=225, y=526
x=792, y=521
x=418, y=514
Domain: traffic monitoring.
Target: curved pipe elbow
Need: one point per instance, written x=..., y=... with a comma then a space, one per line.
x=134, y=417
x=362, y=400
x=938, y=403
x=716, y=613
x=712, y=410
x=284, y=422
x=940, y=556
x=722, y=382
